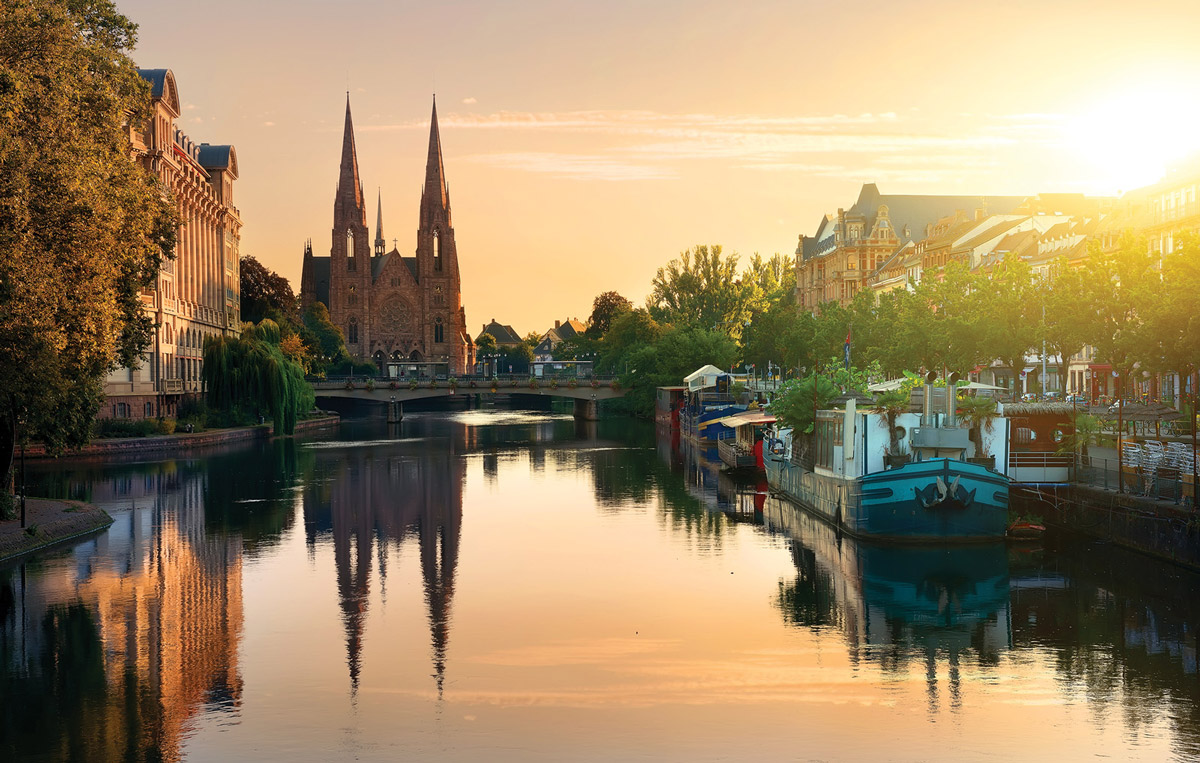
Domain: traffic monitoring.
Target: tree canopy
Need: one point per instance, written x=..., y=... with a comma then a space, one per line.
x=265, y=293
x=83, y=229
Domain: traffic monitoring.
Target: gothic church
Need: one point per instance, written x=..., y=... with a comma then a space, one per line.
x=403, y=313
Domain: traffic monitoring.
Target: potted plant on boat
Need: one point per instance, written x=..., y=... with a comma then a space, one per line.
x=978, y=413
x=889, y=405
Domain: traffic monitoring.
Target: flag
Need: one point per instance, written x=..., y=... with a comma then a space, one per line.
x=846, y=349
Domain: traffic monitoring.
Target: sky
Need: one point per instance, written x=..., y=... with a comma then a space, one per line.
x=586, y=144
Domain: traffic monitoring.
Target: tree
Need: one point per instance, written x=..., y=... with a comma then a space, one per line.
x=331, y=343
x=605, y=308
x=702, y=288
x=83, y=229
x=1014, y=314
x=485, y=343
x=669, y=357
x=250, y=373
x=265, y=293
x=629, y=332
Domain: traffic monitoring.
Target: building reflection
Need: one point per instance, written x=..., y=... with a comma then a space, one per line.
x=893, y=604
x=368, y=500
x=117, y=647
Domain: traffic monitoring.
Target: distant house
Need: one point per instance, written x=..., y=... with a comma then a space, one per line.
x=555, y=336
x=505, y=335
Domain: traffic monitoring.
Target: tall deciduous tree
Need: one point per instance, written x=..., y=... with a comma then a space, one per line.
x=605, y=308
x=265, y=293
x=83, y=229
x=702, y=288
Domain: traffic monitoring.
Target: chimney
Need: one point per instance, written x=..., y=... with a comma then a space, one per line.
x=556, y=324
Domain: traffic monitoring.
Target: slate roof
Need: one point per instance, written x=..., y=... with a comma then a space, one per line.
x=157, y=79
x=503, y=334
x=320, y=267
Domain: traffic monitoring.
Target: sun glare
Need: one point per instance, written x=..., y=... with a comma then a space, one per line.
x=1129, y=139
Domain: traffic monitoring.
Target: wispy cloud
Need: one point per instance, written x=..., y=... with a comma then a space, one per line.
x=574, y=166
x=469, y=100
x=649, y=145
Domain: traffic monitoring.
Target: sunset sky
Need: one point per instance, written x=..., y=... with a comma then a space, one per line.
x=588, y=143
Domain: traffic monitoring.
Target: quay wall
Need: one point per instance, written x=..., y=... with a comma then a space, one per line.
x=1158, y=528
x=183, y=442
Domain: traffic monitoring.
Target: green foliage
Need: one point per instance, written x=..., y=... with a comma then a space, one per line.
x=666, y=360
x=605, y=309
x=798, y=400
x=889, y=405
x=485, y=343
x=702, y=289
x=978, y=413
x=82, y=227
x=265, y=293
x=251, y=373
x=328, y=344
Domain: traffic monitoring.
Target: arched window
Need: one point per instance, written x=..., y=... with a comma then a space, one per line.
x=437, y=251
x=353, y=332
x=352, y=300
x=350, y=250
x=439, y=332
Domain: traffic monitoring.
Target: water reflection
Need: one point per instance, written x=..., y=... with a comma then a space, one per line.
x=115, y=648
x=564, y=582
x=367, y=499
x=895, y=605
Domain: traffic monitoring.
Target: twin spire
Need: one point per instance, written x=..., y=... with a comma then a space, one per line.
x=435, y=197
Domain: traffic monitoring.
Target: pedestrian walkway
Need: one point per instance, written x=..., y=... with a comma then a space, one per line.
x=49, y=524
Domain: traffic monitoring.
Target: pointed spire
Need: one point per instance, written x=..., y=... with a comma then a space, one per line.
x=349, y=198
x=435, y=198
x=380, y=243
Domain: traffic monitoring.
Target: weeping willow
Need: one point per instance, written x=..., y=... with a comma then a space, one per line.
x=250, y=372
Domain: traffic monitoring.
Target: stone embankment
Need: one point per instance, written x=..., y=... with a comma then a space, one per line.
x=49, y=524
x=183, y=442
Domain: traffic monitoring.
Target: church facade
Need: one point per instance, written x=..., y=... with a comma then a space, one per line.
x=404, y=313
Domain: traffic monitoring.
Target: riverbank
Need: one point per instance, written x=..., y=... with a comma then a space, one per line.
x=183, y=441
x=49, y=524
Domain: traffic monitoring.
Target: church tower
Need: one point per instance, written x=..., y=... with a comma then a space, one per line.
x=437, y=263
x=350, y=250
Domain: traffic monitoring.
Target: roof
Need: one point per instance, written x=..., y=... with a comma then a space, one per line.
x=162, y=87
x=218, y=158
x=916, y=212
x=744, y=418
x=703, y=377
x=503, y=334
x=320, y=267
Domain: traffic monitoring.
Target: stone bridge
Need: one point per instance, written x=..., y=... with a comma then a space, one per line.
x=395, y=392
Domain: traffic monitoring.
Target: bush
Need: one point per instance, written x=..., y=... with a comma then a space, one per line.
x=166, y=426
x=191, y=407
x=125, y=427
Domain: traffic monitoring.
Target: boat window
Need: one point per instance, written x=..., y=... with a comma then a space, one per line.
x=1024, y=436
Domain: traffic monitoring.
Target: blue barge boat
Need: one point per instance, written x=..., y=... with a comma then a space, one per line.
x=844, y=475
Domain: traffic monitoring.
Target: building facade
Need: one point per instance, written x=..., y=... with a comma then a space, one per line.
x=196, y=294
x=402, y=313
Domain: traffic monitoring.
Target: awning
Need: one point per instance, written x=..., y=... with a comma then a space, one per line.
x=980, y=385
x=703, y=378
x=744, y=418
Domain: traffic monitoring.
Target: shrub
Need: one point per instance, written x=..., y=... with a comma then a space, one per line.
x=166, y=426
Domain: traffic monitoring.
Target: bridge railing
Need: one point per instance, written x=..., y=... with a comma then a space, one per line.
x=482, y=382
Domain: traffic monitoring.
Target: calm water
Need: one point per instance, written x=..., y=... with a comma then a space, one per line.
x=493, y=585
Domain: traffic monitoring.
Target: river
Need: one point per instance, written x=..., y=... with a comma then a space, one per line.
x=507, y=585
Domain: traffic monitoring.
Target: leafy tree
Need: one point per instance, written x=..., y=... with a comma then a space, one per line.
x=1014, y=313
x=330, y=342
x=1065, y=327
x=674, y=354
x=265, y=293
x=82, y=227
x=702, y=288
x=518, y=358
x=629, y=332
x=797, y=401
x=485, y=343
x=250, y=373
x=605, y=308
x=1126, y=286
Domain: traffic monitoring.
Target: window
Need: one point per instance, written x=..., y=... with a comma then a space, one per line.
x=437, y=251
x=352, y=300
x=439, y=332
x=438, y=298
x=353, y=332
x=350, y=264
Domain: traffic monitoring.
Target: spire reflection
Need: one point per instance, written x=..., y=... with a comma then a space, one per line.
x=371, y=500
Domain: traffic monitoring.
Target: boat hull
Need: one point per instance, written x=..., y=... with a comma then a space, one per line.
x=935, y=501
